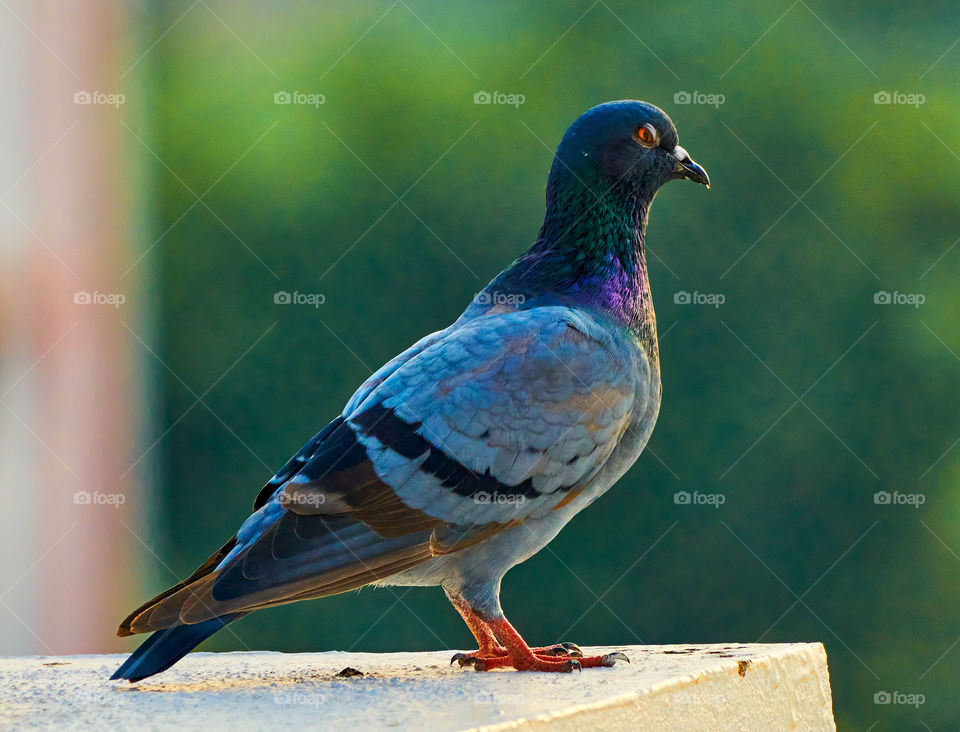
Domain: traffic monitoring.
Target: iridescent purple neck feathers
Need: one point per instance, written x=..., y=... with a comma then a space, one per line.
x=589, y=251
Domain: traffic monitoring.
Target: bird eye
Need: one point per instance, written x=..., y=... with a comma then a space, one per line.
x=646, y=135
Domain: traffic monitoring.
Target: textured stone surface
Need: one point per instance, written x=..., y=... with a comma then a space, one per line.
x=693, y=687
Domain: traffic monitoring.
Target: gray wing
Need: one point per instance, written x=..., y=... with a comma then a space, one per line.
x=503, y=419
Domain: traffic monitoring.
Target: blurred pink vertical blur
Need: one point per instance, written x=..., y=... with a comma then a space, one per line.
x=69, y=369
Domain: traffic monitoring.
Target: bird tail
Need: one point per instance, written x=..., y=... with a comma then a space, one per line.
x=165, y=647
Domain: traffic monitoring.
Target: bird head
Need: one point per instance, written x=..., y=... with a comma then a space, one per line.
x=627, y=145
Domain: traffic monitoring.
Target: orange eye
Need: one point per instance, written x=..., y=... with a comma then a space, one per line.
x=646, y=135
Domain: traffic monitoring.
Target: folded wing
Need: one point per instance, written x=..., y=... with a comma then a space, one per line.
x=474, y=430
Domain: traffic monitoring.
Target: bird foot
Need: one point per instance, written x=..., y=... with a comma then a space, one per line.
x=539, y=661
x=467, y=658
x=560, y=649
x=536, y=663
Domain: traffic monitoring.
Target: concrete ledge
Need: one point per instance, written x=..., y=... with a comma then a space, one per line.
x=695, y=687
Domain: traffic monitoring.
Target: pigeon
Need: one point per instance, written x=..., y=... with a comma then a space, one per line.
x=468, y=453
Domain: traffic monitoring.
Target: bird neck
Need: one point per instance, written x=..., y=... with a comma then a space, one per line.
x=590, y=250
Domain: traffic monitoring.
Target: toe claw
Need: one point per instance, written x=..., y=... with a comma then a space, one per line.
x=610, y=659
x=571, y=650
x=572, y=664
x=466, y=660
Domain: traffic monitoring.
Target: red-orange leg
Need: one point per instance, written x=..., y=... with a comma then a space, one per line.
x=513, y=651
x=486, y=643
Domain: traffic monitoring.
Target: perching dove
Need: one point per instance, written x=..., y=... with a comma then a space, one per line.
x=467, y=453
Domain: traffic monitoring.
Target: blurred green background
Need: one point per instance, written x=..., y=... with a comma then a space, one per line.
x=797, y=399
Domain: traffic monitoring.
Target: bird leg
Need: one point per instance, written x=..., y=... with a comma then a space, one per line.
x=487, y=645
x=513, y=651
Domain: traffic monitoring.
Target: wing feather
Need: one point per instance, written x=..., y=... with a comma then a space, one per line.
x=472, y=431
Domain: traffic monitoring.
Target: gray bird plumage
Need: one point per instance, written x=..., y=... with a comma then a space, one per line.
x=470, y=451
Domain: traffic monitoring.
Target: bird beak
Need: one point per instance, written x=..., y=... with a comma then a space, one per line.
x=687, y=169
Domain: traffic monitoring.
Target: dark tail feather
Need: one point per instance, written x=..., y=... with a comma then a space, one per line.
x=165, y=647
